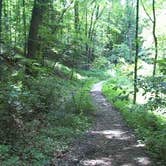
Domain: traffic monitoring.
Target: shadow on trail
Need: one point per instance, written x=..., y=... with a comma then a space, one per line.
x=109, y=143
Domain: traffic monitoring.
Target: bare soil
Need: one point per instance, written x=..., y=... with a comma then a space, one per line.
x=110, y=142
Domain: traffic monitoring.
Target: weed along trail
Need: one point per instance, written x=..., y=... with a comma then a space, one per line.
x=108, y=143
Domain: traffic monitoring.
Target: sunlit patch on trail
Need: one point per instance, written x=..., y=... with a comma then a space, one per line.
x=102, y=161
x=118, y=134
x=139, y=144
x=143, y=160
x=97, y=87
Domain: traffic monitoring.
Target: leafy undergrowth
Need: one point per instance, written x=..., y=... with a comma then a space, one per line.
x=150, y=128
x=41, y=115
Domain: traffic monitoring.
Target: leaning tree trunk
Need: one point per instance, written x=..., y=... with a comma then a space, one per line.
x=155, y=38
x=38, y=11
x=136, y=53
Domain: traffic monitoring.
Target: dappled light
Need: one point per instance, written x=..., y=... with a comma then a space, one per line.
x=110, y=142
x=97, y=87
x=102, y=161
x=109, y=162
x=142, y=160
x=117, y=134
x=82, y=82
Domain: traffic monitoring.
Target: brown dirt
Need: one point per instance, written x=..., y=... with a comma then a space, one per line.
x=110, y=142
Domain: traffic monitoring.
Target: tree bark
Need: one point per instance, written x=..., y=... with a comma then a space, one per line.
x=36, y=20
x=153, y=20
x=90, y=35
x=76, y=15
x=155, y=38
x=136, y=53
x=25, y=29
x=0, y=26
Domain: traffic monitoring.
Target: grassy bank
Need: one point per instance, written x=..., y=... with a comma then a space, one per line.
x=52, y=110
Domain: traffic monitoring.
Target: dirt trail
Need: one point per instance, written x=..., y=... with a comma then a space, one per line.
x=108, y=143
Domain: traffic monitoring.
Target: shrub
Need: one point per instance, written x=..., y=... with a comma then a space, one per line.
x=100, y=62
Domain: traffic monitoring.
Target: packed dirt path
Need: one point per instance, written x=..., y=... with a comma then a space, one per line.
x=110, y=142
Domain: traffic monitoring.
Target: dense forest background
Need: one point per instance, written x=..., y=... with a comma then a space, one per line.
x=51, y=53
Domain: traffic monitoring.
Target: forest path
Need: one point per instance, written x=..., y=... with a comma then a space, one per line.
x=110, y=142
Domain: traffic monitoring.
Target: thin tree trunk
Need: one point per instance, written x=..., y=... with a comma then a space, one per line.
x=90, y=33
x=108, y=20
x=0, y=26
x=153, y=20
x=10, y=27
x=76, y=15
x=86, y=33
x=91, y=22
x=155, y=39
x=136, y=53
x=76, y=24
x=6, y=21
x=24, y=28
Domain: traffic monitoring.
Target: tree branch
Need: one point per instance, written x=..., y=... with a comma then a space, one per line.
x=146, y=12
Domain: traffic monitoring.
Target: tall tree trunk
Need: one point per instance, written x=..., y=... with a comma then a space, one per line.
x=10, y=22
x=76, y=25
x=96, y=14
x=6, y=21
x=155, y=38
x=24, y=27
x=153, y=20
x=38, y=11
x=0, y=26
x=17, y=33
x=76, y=15
x=89, y=35
x=136, y=53
x=86, y=33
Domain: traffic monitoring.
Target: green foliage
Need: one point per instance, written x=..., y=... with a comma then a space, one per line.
x=119, y=51
x=100, y=62
x=44, y=100
x=94, y=74
x=155, y=89
x=47, y=93
x=162, y=64
x=21, y=102
x=41, y=114
x=5, y=157
x=82, y=101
